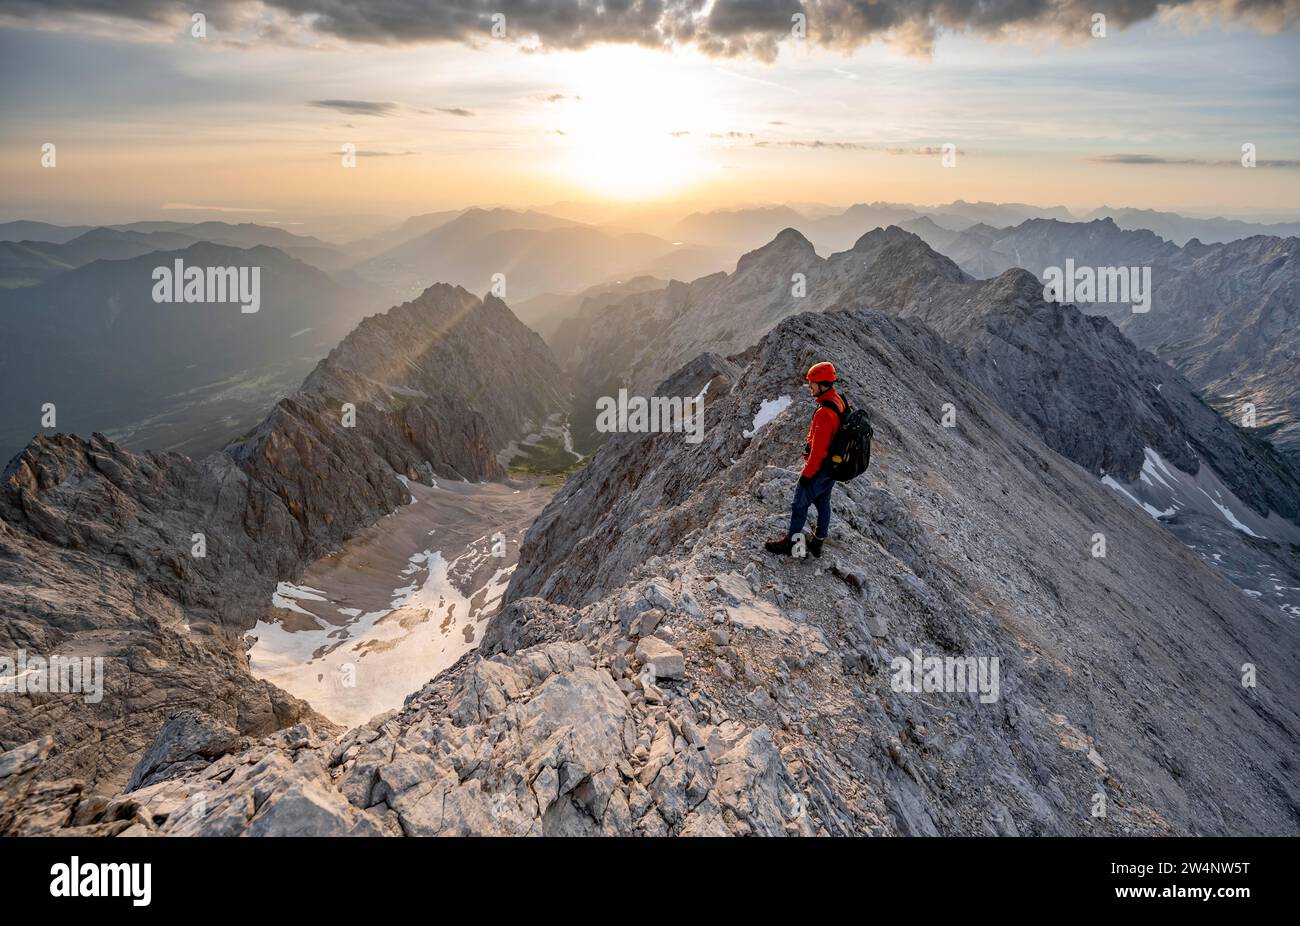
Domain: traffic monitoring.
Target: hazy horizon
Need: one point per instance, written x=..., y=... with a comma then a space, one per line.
x=249, y=122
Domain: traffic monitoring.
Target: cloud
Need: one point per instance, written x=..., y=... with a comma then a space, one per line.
x=1148, y=159
x=726, y=28
x=378, y=154
x=818, y=143
x=851, y=146
x=357, y=107
x=924, y=150
x=382, y=108
x=1140, y=159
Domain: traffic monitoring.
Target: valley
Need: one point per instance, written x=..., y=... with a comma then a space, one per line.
x=402, y=600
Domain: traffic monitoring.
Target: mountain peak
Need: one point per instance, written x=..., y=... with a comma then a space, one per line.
x=789, y=243
x=1016, y=284
x=908, y=252
x=887, y=235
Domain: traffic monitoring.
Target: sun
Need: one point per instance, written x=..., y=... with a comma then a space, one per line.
x=634, y=131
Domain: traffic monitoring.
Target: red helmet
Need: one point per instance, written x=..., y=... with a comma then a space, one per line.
x=821, y=373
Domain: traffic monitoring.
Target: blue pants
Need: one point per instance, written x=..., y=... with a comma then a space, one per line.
x=818, y=495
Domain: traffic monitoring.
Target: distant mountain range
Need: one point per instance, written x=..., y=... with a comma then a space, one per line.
x=93, y=342
x=44, y=251
x=836, y=231
x=416, y=225
x=1181, y=229
x=534, y=252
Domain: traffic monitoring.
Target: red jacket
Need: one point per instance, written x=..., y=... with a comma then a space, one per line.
x=824, y=425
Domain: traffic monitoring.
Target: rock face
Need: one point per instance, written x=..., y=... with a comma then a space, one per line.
x=1116, y=706
x=95, y=560
x=1095, y=398
x=98, y=545
x=540, y=742
x=1226, y=316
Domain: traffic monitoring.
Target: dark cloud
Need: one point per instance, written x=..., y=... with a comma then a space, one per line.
x=455, y=111
x=1141, y=159
x=357, y=107
x=725, y=28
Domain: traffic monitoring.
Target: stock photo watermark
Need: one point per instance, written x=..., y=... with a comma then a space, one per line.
x=915, y=674
x=179, y=283
x=636, y=414
x=26, y=673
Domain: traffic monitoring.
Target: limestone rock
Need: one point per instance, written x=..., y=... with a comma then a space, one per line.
x=668, y=661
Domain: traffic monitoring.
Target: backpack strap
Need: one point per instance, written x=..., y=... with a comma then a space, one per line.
x=839, y=416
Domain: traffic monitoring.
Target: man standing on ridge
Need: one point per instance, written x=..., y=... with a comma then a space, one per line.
x=815, y=483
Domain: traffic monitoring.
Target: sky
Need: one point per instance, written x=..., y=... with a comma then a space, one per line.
x=249, y=122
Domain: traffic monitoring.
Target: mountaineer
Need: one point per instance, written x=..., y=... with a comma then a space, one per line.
x=838, y=449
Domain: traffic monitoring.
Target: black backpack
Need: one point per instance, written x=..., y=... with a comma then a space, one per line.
x=850, y=450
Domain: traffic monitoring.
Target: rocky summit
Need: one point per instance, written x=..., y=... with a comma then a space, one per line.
x=652, y=672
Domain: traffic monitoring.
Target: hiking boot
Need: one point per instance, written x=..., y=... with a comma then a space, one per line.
x=815, y=545
x=782, y=546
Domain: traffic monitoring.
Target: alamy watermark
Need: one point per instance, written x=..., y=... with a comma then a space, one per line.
x=947, y=674
x=76, y=878
x=1099, y=284
x=179, y=283
x=651, y=415
x=30, y=674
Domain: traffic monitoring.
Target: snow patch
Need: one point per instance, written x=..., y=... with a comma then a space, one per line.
x=286, y=592
x=768, y=409
x=1152, y=510
x=1229, y=516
